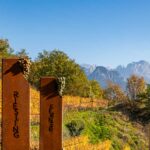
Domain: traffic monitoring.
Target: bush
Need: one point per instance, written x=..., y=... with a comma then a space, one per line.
x=75, y=127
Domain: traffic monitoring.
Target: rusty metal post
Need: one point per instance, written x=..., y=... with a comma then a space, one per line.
x=15, y=107
x=50, y=115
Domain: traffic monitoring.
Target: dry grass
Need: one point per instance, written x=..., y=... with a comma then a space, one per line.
x=82, y=143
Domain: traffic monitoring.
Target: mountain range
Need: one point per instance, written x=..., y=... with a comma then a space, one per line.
x=119, y=74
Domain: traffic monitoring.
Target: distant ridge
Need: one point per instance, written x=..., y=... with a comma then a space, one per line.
x=103, y=76
x=88, y=69
x=118, y=75
x=140, y=68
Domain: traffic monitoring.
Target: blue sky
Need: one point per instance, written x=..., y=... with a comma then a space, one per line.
x=102, y=32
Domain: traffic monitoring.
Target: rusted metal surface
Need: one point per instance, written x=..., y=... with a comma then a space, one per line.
x=50, y=115
x=15, y=107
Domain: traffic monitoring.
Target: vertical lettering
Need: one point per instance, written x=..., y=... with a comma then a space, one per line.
x=51, y=118
x=16, y=115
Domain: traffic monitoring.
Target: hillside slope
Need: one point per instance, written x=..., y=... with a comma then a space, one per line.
x=106, y=125
x=99, y=126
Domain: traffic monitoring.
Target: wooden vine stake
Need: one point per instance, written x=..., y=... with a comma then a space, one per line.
x=50, y=115
x=15, y=107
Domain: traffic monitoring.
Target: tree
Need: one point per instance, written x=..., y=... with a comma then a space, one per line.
x=114, y=92
x=147, y=97
x=135, y=86
x=56, y=63
x=5, y=49
x=144, y=98
x=95, y=89
x=22, y=53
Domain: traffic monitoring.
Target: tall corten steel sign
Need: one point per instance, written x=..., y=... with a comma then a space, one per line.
x=15, y=107
x=50, y=115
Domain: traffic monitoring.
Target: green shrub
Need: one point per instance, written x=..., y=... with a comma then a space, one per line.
x=75, y=127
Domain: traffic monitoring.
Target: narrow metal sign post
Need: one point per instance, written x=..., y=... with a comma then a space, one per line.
x=15, y=107
x=50, y=115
